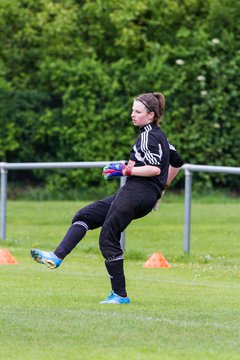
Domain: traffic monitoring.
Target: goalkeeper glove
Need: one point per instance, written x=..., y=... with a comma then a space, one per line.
x=117, y=169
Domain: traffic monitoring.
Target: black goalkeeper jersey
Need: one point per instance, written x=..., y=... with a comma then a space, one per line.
x=153, y=148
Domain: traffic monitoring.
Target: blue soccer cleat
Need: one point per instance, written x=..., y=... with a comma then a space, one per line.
x=115, y=299
x=46, y=258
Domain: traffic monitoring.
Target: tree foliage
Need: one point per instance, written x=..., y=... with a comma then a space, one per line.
x=69, y=71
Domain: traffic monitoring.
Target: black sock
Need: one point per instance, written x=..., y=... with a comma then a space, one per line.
x=116, y=273
x=74, y=234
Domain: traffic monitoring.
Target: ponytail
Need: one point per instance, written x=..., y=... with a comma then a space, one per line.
x=161, y=101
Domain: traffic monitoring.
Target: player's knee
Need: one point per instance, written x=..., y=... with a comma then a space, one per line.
x=80, y=223
x=79, y=217
x=109, y=250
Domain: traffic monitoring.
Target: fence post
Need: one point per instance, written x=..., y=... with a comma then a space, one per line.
x=187, y=210
x=3, y=202
x=123, y=180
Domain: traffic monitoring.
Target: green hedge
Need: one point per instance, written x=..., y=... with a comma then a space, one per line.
x=69, y=72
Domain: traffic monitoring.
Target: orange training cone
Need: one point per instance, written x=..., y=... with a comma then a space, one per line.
x=157, y=260
x=6, y=257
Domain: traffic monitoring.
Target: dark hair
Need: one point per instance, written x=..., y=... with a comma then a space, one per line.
x=153, y=102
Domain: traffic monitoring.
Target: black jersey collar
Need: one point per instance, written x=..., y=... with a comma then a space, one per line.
x=148, y=127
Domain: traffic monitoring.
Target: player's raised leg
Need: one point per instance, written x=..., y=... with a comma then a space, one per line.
x=90, y=217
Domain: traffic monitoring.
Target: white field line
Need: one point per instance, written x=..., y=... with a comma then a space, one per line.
x=107, y=314
x=181, y=323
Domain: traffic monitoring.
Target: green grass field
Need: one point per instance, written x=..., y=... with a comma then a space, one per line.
x=191, y=311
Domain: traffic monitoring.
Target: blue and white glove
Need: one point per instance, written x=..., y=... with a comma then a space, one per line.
x=114, y=170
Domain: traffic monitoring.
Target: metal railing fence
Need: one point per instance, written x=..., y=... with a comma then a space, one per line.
x=42, y=165
x=188, y=168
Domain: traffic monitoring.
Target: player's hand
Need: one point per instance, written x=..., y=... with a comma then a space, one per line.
x=114, y=170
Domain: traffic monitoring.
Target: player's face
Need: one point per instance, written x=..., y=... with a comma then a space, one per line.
x=140, y=115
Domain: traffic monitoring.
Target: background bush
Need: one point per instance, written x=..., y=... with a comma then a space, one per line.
x=70, y=70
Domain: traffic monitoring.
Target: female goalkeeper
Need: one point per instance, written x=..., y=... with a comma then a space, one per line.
x=152, y=165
